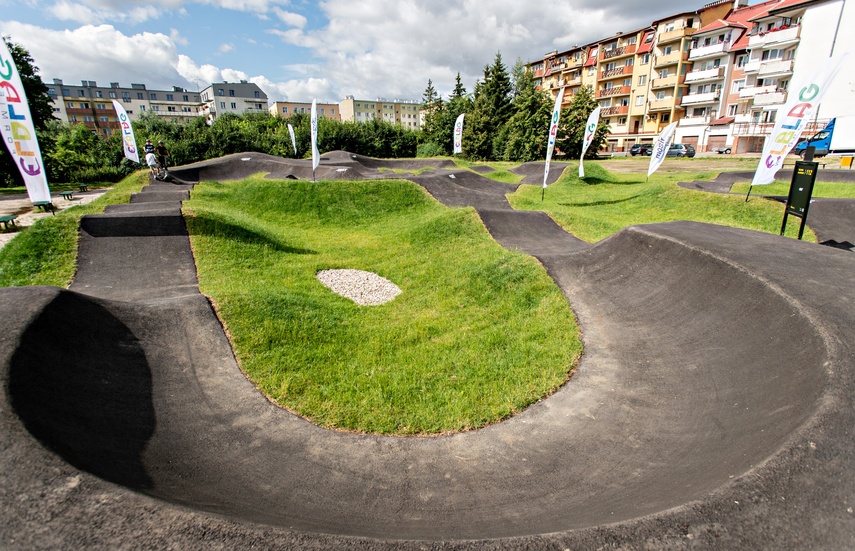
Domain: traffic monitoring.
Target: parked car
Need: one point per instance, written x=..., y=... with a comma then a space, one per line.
x=641, y=149
x=725, y=150
x=681, y=150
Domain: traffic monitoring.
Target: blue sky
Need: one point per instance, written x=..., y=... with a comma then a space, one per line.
x=298, y=50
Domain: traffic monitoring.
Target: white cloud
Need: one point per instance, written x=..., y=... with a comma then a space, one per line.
x=225, y=48
x=290, y=18
x=175, y=36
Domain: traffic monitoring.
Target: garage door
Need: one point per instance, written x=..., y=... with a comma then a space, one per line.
x=716, y=142
x=691, y=140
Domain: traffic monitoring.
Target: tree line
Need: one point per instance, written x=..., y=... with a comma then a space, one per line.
x=507, y=118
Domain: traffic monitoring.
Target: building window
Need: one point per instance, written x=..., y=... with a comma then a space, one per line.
x=152, y=95
x=731, y=110
x=66, y=92
x=170, y=97
x=140, y=95
x=155, y=108
x=667, y=50
x=185, y=98
x=87, y=118
x=737, y=86
x=645, y=59
x=284, y=109
x=84, y=105
x=98, y=94
x=112, y=94
x=221, y=92
x=257, y=94
x=666, y=117
x=234, y=105
x=72, y=118
x=332, y=111
x=222, y=105
x=621, y=121
x=642, y=80
x=231, y=93
x=81, y=93
x=104, y=119
x=142, y=107
x=639, y=100
x=126, y=96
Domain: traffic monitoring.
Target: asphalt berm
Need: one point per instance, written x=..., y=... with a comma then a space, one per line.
x=712, y=407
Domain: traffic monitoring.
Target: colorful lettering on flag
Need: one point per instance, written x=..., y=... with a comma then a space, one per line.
x=553, y=132
x=129, y=143
x=803, y=101
x=316, y=156
x=458, y=134
x=18, y=130
x=590, y=131
x=660, y=148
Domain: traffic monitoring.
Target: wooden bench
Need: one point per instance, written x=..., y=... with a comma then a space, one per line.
x=8, y=220
x=83, y=187
x=45, y=206
x=67, y=195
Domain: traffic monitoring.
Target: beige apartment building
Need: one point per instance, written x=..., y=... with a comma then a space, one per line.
x=232, y=97
x=289, y=108
x=403, y=112
x=91, y=105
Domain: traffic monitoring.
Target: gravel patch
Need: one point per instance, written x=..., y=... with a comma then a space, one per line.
x=365, y=288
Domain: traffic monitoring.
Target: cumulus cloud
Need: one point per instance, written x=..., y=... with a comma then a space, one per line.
x=371, y=48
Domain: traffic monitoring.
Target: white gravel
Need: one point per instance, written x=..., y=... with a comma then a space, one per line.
x=365, y=288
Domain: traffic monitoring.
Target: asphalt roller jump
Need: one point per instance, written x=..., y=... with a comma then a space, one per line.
x=712, y=407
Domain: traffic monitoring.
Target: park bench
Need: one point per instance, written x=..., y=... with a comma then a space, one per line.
x=8, y=220
x=83, y=187
x=67, y=195
x=45, y=206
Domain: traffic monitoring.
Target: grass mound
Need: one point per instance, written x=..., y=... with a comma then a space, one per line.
x=477, y=334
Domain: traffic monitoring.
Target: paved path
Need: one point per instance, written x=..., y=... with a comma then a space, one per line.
x=712, y=407
x=21, y=205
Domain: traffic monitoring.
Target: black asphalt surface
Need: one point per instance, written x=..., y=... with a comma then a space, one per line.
x=712, y=408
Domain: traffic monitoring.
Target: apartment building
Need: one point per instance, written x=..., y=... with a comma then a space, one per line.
x=403, y=112
x=722, y=71
x=92, y=105
x=241, y=97
x=289, y=108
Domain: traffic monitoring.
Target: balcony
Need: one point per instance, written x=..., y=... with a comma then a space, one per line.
x=618, y=52
x=752, y=66
x=614, y=91
x=694, y=121
x=573, y=81
x=750, y=91
x=667, y=82
x=777, y=67
x=671, y=36
x=697, y=99
x=709, y=51
x=776, y=38
x=707, y=74
x=616, y=110
x=616, y=72
x=671, y=59
x=665, y=104
x=771, y=98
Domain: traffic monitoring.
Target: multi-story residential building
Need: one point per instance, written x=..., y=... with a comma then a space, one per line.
x=92, y=105
x=403, y=112
x=615, y=83
x=289, y=108
x=232, y=97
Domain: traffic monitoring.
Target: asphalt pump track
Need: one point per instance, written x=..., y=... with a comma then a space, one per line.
x=712, y=407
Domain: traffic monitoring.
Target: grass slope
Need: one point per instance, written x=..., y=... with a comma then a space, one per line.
x=604, y=203
x=477, y=334
x=46, y=252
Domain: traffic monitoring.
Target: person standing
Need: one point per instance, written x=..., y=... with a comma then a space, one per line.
x=162, y=153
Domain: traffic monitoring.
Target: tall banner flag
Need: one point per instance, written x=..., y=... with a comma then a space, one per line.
x=293, y=139
x=128, y=141
x=553, y=132
x=590, y=130
x=18, y=130
x=660, y=149
x=790, y=122
x=316, y=157
x=458, y=134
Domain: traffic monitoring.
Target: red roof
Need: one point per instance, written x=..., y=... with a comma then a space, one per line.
x=592, y=56
x=722, y=121
x=646, y=43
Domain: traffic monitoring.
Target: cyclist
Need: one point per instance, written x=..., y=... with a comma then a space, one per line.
x=162, y=154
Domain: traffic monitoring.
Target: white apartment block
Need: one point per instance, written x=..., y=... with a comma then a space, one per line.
x=232, y=97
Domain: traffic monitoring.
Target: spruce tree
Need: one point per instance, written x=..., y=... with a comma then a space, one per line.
x=571, y=126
